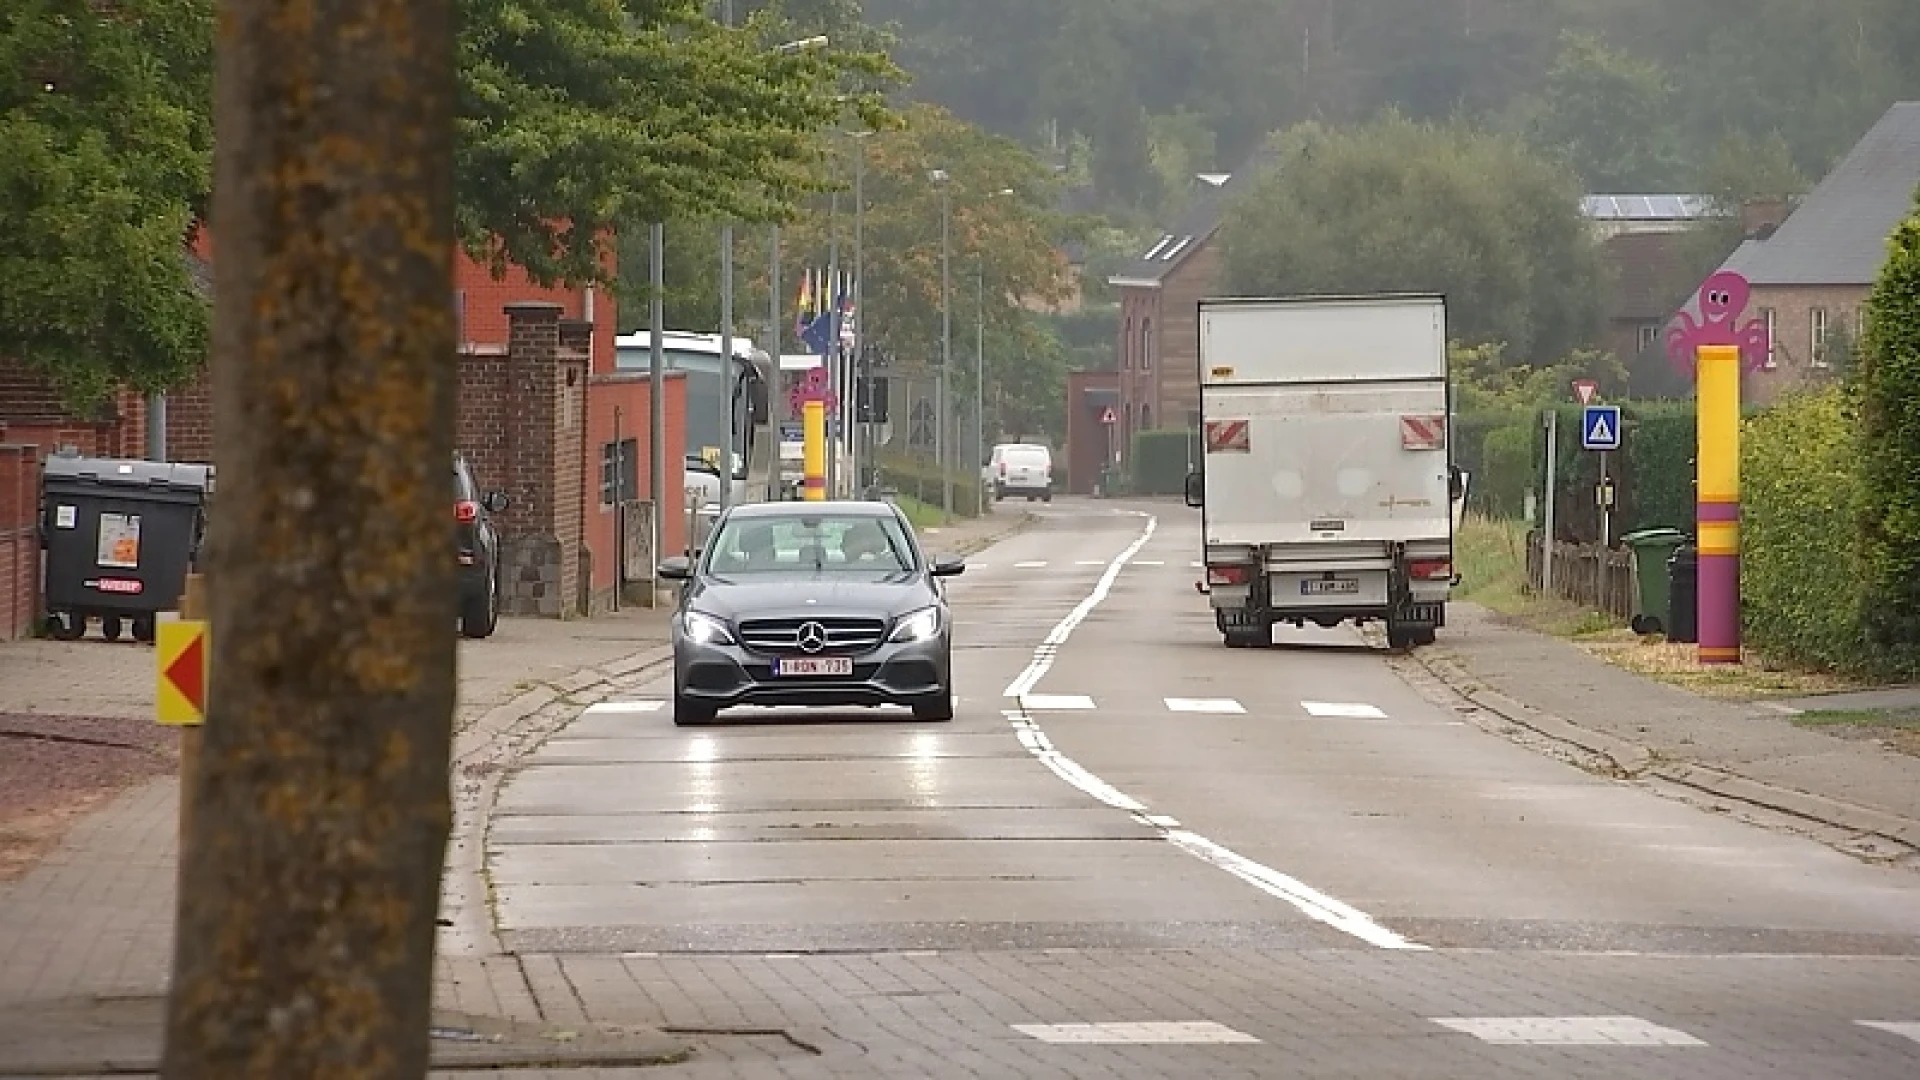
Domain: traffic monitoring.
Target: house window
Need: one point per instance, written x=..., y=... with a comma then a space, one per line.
x=1817, y=337
x=619, y=472
x=1146, y=345
x=1146, y=418
x=1649, y=336
x=1126, y=348
x=1772, y=319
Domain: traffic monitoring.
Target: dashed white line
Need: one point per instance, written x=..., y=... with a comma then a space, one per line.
x=1149, y=562
x=1177, y=1032
x=1040, y=565
x=1204, y=705
x=606, y=707
x=1055, y=702
x=1904, y=1030
x=1307, y=900
x=1567, y=1031
x=1091, y=562
x=1348, y=710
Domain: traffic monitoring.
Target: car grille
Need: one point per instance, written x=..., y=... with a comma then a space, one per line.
x=782, y=636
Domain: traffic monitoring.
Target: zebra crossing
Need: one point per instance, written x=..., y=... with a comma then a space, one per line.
x=1597, y=1032
x=1046, y=703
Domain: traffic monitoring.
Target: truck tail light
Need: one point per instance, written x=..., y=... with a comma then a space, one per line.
x=1003, y=470
x=1431, y=569
x=466, y=511
x=1229, y=575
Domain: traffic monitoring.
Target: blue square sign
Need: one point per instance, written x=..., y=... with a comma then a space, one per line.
x=1600, y=427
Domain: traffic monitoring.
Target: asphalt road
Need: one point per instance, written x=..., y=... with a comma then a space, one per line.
x=1289, y=862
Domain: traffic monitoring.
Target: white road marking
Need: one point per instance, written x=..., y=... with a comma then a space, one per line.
x=605, y=707
x=1567, y=1031
x=1904, y=1030
x=1349, y=710
x=1091, y=562
x=1041, y=565
x=639, y=956
x=1055, y=702
x=1308, y=901
x=1189, y=1032
x=1196, y=566
x=1204, y=705
x=1148, y=562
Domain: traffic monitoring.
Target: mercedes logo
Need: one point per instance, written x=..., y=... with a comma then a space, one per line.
x=813, y=637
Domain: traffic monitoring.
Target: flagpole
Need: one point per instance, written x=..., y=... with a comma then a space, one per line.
x=854, y=427
x=832, y=309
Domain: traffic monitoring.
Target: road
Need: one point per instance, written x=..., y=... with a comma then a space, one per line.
x=1137, y=853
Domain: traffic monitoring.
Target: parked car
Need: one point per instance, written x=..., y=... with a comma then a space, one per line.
x=812, y=604
x=1021, y=469
x=478, y=544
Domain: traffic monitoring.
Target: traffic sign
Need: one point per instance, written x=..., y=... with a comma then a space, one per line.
x=1108, y=417
x=182, y=654
x=1600, y=427
x=1586, y=390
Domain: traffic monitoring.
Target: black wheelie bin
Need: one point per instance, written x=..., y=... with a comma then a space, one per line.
x=120, y=536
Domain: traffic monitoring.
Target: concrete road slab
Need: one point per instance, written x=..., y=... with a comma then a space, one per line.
x=784, y=825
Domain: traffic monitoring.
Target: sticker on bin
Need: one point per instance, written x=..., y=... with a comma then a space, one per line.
x=65, y=517
x=118, y=585
x=119, y=546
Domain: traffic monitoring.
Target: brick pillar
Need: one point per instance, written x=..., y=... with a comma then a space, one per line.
x=541, y=530
x=571, y=454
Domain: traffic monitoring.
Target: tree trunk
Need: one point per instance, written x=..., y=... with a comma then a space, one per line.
x=310, y=880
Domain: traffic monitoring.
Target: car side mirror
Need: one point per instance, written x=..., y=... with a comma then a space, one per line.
x=1196, y=489
x=495, y=501
x=949, y=566
x=676, y=568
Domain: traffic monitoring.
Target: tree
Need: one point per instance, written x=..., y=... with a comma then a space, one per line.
x=107, y=140
x=1400, y=206
x=1015, y=237
x=310, y=871
x=1609, y=117
x=1888, y=385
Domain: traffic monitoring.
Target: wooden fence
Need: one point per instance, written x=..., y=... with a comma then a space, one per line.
x=1588, y=575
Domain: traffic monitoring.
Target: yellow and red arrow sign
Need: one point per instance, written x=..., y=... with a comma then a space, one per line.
x=183, y=654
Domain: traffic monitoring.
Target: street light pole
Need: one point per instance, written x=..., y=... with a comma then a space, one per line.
x=940, y=450
x=850, y=406
x=980, y=376
x=657, y=389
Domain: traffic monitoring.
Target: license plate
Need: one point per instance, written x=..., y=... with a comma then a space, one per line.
x=813, y=665
x=1332, y=587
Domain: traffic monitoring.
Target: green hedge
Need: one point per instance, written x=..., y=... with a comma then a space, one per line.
x=1469, y=437
x=1159, y=462
x=1802, y=582
x=922, y=480
x=1653, y=473
x=1888, y=379
x=1498, y=488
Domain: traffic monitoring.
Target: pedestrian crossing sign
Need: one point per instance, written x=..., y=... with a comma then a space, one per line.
x=1600, y=427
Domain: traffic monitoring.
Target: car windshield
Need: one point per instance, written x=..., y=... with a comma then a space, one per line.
x=811, y=543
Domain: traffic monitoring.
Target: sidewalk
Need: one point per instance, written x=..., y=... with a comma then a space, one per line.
x=1748, y=752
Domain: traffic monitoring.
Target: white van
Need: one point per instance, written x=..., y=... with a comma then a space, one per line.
x=1021, y=469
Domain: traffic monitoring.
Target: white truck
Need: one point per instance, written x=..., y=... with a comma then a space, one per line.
x=1326, y=485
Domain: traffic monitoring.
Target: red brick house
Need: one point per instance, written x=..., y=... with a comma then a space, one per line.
x=1814, y=272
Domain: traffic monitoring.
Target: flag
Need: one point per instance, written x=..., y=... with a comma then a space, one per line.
x=803, y=309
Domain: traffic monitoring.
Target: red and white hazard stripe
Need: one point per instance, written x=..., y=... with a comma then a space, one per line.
x=1423, y=432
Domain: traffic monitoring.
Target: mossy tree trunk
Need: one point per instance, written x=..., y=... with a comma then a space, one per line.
x=311, y=876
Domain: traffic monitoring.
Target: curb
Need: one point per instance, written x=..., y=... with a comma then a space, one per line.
x=1631, y=761
x=981, y=543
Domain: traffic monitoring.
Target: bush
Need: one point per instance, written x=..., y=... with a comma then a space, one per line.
x=1653, y=473
x=1888, y=383
x=1498, y=488
x=1471, y=430
x=922, y=480
x=1159, y=463
x=1802, y=582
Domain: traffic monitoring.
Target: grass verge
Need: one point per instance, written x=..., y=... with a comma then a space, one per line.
x=1897, y=729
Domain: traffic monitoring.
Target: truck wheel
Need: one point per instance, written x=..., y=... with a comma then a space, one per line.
x=1425, y=636
x=143, y=629
x=1399, y=636
x=1246, y=639
x=66, y=626
x=110, y=627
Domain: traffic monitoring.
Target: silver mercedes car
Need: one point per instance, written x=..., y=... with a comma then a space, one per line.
x=812, y=604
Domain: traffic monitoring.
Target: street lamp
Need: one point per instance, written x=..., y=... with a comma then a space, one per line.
x=939, y=177
x=980, y=363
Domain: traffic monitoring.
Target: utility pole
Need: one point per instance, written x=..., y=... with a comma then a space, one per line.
x=980, y=376
x=310, y=872
x=726, y=344
x=775, y=384
x=836, y=376
x=850, y=404
x=941, y=390
x=1553, y=462
x=657, y=391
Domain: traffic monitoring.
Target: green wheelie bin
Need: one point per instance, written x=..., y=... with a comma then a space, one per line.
x=1653, y=601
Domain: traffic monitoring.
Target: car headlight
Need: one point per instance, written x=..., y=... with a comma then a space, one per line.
x=918, y=626
x=705, y=629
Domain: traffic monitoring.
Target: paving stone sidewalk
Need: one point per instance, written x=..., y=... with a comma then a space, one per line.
x=1745, y=751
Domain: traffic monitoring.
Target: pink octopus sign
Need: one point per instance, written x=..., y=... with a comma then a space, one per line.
x=1721, y=301
x=813, y=387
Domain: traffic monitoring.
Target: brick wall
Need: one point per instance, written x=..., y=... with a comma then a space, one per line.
x=1793, y=363
x=622, y=405
x=19, y=540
